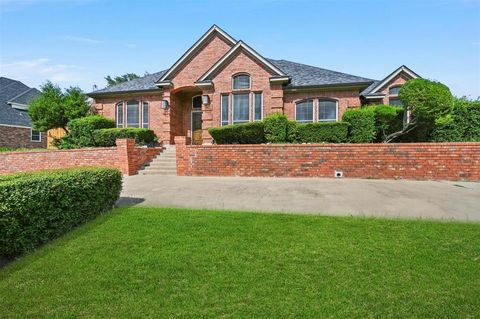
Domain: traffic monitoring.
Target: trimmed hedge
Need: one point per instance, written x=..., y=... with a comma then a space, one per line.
x=323, y=132
x=461, y=125
x=81, y=131
x=388, y=119
x=248, y=133
x=362, y=125
x=40, y=206
x=279, y=129
x=107, y=137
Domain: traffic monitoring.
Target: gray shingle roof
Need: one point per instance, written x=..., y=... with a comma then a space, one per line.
x=146, y=82
x=308, y=76
x=15, y=91
x=302, y=75
x=371, y=87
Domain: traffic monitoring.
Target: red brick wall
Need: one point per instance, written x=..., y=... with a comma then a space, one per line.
x=128, y=158
x=19, y=137
x=420, y=161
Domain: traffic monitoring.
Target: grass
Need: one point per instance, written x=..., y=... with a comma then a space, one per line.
x=141, y=262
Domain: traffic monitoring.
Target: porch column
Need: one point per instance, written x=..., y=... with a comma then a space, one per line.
x=207, y=116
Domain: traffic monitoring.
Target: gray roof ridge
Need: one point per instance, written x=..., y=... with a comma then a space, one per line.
x=123, y=83
x=319, y=68
x=19, y=95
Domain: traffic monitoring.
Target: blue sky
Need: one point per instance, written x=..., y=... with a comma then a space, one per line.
x=79, y=42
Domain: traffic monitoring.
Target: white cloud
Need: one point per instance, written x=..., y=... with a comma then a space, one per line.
x=80, y=39
x=37, y=71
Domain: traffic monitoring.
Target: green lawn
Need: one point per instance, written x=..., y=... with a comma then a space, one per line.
x=138, y=262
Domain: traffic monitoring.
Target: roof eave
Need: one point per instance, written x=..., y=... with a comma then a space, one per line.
x=328, y=86
x=117, y=93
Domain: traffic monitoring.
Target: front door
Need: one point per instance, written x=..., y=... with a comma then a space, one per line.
x=197, y=127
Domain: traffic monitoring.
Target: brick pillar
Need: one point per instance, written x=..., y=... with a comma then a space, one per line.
x=125, y=149
x=181, y=143
x=207, y=116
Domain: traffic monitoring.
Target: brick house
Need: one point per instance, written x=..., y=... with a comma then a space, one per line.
x=15, y=124
x=221, y=81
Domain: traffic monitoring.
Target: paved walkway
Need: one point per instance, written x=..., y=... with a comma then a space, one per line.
x=387, y=198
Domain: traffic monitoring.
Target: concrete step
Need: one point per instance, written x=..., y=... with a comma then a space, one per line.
x=151, y=172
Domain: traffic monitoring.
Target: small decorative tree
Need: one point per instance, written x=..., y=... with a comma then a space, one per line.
x=425, y=101
x=54, y=108
x=121, y=78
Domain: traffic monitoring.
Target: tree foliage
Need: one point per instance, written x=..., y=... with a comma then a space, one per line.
x=120, y=78
x=55, y=108
x=427, y=101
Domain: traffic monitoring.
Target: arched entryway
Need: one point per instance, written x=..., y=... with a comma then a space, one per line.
x=186, y=114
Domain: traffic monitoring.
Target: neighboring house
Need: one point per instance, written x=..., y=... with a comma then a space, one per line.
x=15, y=124
x=221, y=81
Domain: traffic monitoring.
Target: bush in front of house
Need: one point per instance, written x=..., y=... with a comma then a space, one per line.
x=388, y=119
x=40, y=206
x=362, y=127
x=248, y=133
x=107, y=137
x=279, y=129
x=80, y=131
x=461, y=125
x=322, y=132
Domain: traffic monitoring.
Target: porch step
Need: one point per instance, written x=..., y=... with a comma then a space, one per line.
x=163, y=164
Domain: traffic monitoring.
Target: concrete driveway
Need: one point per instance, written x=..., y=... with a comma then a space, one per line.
x=382, y=198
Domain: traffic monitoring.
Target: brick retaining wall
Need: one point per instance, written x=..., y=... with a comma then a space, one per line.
x=125, y=156
x=420, y=161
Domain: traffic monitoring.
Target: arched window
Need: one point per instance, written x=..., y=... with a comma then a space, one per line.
x=304, y=111
x=132, y=114
x=241, y=82
x=394, y=90
x=327, y=111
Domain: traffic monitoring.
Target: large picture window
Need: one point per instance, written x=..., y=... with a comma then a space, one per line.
x=133, y=114
x=304, y=111
x=241, y=108
x=327, y=111
x=394, y=90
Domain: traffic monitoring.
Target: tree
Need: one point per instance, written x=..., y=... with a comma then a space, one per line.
x=120, y=78
x=424, y=101
x=54, y=108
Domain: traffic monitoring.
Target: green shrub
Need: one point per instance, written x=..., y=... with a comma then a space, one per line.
x=107, y=137
x=326, y=132
x=292, y=132
x=461, y=125
x=248, y=133
x=388, y=119
x=279, y=129
x=5, y=149
x=40, y=206
x=362, y=124
x=81, y=131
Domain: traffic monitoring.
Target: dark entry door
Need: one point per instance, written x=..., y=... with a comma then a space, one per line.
x=197, y=127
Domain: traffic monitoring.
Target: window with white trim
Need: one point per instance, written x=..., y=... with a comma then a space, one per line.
x=145, y=115
x=197, y=102
x=35, y=136
x=395, y=101
x=241, y=108
x=394, y=90
x=257, y=106
x=225, y=107
x=119, y=114
x=241, y=82
x=304, y=111
x=327, y=111
x=133, y=114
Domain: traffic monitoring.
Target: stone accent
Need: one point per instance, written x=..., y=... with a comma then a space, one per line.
x=125, y=156
x=418, y=161
x=19, y=137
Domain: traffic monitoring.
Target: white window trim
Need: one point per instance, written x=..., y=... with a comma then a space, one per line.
x=142, y=117
x=253, y=106
x=116, y=114
x=221, y=109
x=39, y=136
x=336, y=110
x=249, y=107
x=313, y=111
x=249, y=81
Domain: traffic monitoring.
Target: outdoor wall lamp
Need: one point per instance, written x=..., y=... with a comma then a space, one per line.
x=165, y=104
x=205, y=99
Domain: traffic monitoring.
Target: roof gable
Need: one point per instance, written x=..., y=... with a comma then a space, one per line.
x=377, y=85
x=240, y=45
x=214, y=30
x=12, y=91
